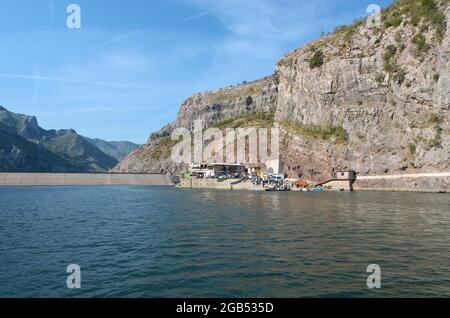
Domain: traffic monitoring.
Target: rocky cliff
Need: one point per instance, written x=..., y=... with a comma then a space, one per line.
x=388, y=87
x=211, y=107
x=370, y=97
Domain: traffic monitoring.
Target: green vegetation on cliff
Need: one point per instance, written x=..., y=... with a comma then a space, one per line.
x=163, y=148
x=436, y=120
x=424, y=13
x=253, y=119
x=328, y=132
x=243, y=90
x=317, y=59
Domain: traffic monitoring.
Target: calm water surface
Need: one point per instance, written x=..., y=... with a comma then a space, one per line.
x=165, y=242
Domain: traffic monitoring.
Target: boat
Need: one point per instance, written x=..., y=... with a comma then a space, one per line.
x=270, y=189
x=277, y=189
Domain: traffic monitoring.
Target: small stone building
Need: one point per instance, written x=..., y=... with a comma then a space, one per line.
x=346, y=175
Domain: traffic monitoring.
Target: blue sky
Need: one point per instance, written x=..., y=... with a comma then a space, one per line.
x=125, y=73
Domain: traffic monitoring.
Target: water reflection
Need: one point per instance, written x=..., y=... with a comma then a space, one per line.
x=164, y=242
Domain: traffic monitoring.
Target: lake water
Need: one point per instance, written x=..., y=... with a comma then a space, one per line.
x=166, y=242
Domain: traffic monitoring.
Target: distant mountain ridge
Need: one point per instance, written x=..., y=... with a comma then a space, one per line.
x=26, y=147
x=116, y=149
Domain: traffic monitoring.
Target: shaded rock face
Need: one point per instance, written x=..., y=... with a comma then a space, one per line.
x=389, y=89
x=18, y=154
x=26, y=147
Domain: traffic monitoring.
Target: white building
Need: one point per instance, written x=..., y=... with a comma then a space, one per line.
x=273, y=166
x=213, y=170
x=201, y=170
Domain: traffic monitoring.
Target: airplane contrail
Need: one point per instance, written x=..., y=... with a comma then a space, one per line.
x=205, y=13
x=59, y=79
x=117, y=39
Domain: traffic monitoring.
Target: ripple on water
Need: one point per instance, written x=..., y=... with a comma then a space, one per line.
x=163, y=242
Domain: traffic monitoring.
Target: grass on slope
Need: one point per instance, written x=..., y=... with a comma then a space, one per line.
x=328, y=132
x=163, y=148
x=253, y=119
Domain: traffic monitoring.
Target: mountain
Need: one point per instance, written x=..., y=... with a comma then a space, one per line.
x=17, y=154
x=25, y=146
x=115, y=149
x=368, y=97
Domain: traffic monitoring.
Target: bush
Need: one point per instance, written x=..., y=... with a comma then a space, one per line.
x=436, y=78
x=379, y=78
x=390, y=66
x=412, y=149
x=421, y=45
x=394, y=21
x=390, y=52
x=436, y=120
x=440, y=25
x=276, y=77
x=317, y=59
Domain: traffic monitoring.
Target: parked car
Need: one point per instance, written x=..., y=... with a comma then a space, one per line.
x=275, y=178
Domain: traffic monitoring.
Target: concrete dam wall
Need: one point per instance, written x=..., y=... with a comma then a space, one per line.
x=82, y=179
x=421, y=182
